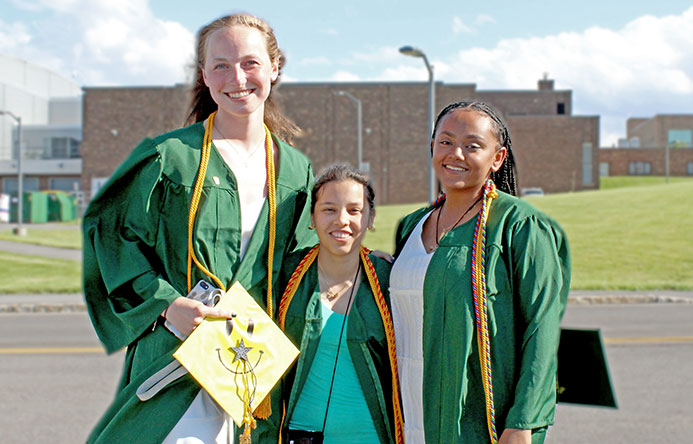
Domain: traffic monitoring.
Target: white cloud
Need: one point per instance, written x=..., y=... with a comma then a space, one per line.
x=383, y=54
x=484, y=19
x=319, y=60
x=13, y=35
x=459, y=27
x=345, y=76
x=103, y=42
x=642, y=69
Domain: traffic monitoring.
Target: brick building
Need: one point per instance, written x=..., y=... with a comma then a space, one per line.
x=554, y=150
x=643, y=150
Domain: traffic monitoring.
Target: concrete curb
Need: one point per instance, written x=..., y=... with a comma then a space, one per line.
x=72, y=303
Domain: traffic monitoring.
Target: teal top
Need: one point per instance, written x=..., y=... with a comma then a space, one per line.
x=366, y=344
x=347, y=395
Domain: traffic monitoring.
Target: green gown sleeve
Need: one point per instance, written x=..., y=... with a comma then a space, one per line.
x=541, y=279
x=123, y=291
x=302, y=236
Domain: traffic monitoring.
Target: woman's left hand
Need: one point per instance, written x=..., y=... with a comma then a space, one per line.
x=516, y=436
x=382, y=255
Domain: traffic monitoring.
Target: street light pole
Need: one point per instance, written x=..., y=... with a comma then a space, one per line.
x=19, y=230
x=666, y=161
x=359, y=123
x=415, y=52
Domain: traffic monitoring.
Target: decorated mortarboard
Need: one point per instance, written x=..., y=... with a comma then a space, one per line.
x=237, y=361
x=583, y=373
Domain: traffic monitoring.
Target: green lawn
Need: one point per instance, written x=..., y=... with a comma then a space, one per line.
x=621, y=237
x=32, y=274
x=607, y=183
x=628, y=238
x=62, y=238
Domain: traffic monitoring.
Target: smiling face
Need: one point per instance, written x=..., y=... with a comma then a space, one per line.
x=238, y=70
x=341, y=217
x=466, y=151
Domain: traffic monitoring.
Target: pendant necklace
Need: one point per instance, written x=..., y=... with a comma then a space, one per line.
x=331, y=294
x=243, y=157
x=438, y=237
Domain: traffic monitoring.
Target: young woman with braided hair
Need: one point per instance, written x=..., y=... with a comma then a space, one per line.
x=478, y=289
x=200, y=202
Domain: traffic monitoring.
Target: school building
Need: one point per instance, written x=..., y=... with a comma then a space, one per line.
x=651, y=146
x=554, y=150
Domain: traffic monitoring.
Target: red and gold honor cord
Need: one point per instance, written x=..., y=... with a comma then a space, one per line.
x=290, y=291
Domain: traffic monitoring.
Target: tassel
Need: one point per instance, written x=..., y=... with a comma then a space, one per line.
x=245, y=437
x=264, y=410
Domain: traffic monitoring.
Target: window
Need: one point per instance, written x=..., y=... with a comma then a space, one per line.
x=587, y=164
x=9, y=185
x=560, y=108
x=63, y=148
x=689, y=168
x=603, y=169
x=639, y=168
x=67, y=184
x=680, y=138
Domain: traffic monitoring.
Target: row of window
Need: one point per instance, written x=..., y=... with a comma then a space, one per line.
x=645, y=168
x=54, y=148
x=29, y=184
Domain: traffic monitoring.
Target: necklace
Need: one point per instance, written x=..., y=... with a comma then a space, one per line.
x=456, y=223
x=244, y=157
x=331, y=294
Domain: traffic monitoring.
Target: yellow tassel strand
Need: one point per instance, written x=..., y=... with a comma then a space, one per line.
x=264, y=410
x=194, y=203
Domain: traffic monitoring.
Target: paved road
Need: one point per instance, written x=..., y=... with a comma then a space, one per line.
x=650, y=352
x=55, y=380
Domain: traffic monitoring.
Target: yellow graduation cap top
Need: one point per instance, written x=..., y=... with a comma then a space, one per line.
x=238, y=361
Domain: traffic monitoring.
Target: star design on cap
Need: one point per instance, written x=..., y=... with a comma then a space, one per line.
x=241, y=352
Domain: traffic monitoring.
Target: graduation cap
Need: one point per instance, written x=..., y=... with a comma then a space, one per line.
x=583, y=374
x=238, y=360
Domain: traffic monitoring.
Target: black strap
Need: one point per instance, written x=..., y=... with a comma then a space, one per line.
x=339, y=344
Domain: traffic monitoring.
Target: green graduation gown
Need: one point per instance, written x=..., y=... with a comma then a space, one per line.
x=528, y=278
x=135, y=259
x=366, y=341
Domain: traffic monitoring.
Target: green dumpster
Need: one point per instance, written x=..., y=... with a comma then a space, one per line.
x=34, y=210
x=61, y=207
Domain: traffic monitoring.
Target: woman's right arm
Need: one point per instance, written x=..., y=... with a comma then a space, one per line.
x=124, y=290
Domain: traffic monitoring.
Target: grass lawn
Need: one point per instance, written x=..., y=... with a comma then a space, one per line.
x=62, y=238
x=607, y=183
x=33, y=274
x=628, y=238
x=621, y=237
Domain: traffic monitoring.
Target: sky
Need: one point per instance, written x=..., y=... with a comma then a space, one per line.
x=621, y=59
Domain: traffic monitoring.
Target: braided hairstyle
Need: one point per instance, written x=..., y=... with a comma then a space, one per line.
x=505, y=177
x=202, y=104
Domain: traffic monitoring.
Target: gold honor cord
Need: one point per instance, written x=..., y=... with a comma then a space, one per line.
x=195, y=201
x=290, y=291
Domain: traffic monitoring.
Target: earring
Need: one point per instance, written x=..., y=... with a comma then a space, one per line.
x=311, y=227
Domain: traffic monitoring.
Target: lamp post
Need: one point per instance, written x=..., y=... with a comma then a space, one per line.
x=359, y=118
x=19, y=229
x=666, y=161
x=416, y=52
